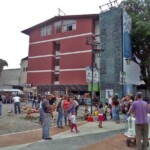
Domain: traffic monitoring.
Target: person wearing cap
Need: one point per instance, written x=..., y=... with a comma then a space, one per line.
x=140, y=109
x=46, y=121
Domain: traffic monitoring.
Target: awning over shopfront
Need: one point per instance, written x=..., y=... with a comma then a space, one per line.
x=44, y=88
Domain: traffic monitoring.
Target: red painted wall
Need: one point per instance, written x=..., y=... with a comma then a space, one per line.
x=41, y=49
x=73, y=61
x=72, y=77
x=74, y=44
x=40, y=78
x=83, y=26
x=45, y=63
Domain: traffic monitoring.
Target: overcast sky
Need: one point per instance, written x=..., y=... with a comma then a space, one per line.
x=17, y=15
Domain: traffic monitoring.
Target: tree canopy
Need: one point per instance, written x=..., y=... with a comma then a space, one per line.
x=139, y=10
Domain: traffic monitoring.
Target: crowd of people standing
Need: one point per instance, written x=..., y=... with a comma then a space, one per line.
x=139, y=107
x=66, y=106
x=67, y=109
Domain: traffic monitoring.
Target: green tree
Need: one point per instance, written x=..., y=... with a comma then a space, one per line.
x=139, y=10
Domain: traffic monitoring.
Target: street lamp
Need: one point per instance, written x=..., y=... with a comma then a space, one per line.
x=95, y=50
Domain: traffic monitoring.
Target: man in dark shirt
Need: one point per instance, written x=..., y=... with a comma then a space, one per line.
x=34, y=101
x=52, y=99
x=47, y=115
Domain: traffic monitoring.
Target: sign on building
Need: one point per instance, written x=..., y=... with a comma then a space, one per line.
x=108, y=93
x=89, y=75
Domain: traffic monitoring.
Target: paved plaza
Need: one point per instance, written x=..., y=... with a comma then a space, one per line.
x=90, y=137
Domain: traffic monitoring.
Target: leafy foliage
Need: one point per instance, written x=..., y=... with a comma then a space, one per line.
x=139, y=10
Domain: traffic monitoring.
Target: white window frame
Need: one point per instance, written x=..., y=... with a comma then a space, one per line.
x=68, y=23
x=46, y=30
x=57, y=26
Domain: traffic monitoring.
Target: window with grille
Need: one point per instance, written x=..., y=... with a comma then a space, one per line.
x=69, y=25
x=57, y=47
x=57, y=61
x=46, y=30
x=57, y=27
x=56, y=77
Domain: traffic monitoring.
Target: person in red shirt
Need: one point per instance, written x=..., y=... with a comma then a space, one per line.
x=65, y=105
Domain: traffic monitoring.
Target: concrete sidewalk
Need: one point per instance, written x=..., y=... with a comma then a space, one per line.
x=28, y=137
x=90, y=137
x=91, y=128
x=23, y=139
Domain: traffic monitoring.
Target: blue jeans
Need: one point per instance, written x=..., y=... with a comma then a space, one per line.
x=41, y=118
x=125, y=117
x=60, y=117
x=0, y=109
x=116, y=113
x=46, y=126
x=34, y=104
x=17, y=106
x=65, y=117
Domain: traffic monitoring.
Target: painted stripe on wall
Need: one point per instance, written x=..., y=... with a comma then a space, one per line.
x=37, y=71
x=78, y=52
x=61, y=54
x=80, y=69
x=40, y=56
x=61, y=70
x=62, y=38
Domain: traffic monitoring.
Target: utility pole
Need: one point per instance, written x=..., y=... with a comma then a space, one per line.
x=94, y=51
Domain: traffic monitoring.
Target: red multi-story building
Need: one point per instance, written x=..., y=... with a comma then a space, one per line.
x=58, y=54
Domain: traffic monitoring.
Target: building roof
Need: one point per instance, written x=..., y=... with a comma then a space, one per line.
x=25, y=58
x=12, y=90
x=72, y=87
x=11, y=69
x=56, y=18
